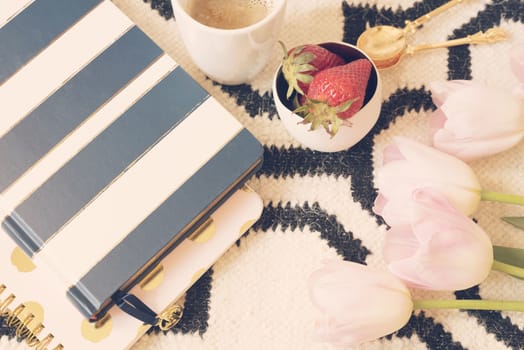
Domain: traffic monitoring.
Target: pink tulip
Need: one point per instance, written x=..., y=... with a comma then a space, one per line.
x=517, y=61
x=474, y=121
x=358, y=303
x=409, y=165
x=441, y=249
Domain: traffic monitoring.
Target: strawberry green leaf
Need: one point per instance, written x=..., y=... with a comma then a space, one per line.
x=303, y=59
x=295, y=102
x=293, y=86
x=301, y=109
x=335, y=126
x=305, y=78
x=346, y=105
x=284, y=49
x=315, y=123
x=318, y=113
x=294, y=67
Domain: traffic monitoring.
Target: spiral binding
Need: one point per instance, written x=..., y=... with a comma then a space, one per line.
x=26, y=328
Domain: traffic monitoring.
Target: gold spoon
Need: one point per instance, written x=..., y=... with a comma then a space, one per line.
x=385, y=41
x=393, y=57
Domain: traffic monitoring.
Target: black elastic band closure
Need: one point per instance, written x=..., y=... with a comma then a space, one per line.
x=135, y=307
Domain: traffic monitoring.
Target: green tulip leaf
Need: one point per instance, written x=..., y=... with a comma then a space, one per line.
x=512, y=260
x=517, y=221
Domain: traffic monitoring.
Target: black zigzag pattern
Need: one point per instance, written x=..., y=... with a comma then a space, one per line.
x=5, y=330
x=254, y=103
x=196, y=306
x=162, y=6
x=357, y=18
x=318, y=220
x=430, y=332
x=459, y=61
x=494, y=323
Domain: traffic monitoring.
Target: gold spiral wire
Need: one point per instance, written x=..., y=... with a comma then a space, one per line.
x=26, y=327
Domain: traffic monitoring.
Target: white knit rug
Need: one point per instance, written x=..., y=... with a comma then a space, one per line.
x=318, y=205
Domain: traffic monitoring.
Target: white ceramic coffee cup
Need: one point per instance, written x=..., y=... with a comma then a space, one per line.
x=230, y=56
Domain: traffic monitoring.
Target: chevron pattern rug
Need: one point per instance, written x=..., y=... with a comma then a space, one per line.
x=318, y=205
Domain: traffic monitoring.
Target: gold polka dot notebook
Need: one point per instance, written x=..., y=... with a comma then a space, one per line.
x=33, y=296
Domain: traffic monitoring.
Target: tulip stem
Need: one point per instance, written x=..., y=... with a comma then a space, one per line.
x=502, y=197
x=470, y=304
x=512, y=270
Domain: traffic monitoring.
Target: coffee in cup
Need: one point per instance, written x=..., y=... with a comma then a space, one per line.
x=231, y=14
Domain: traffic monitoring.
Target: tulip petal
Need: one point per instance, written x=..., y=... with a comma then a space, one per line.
x=399, y=243
x=517, y=61
x=482, y=110
x=408, y=271
x=440, y=90
x=430, y=205
x=441, y=250
x=445, y=264
x=379, y=204
x=436, y=164
x=437, y=120
x=391, y=153
x=479, y=121
x=456, y=264
x=425, y=166
x=518, y=91
x=359, y=303
x=470, y=149
x=432, y=199
x=391, y=213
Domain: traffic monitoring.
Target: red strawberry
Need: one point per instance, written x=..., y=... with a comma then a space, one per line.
x=301, y=63
x=336, y=94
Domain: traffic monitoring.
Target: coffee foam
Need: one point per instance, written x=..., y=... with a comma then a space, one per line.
x=230, y=14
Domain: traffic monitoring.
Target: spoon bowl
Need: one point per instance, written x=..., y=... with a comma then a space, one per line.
x=383, y=44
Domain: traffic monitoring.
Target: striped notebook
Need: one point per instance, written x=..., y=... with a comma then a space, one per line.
x=111, y=154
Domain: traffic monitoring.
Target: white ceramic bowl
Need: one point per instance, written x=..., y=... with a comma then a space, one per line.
x=347, y=136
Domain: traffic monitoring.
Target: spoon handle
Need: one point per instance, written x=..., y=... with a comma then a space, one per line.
x=411, y=26
x=490, y=36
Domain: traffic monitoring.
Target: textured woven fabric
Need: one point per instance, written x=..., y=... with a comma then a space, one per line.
x=318, y=205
